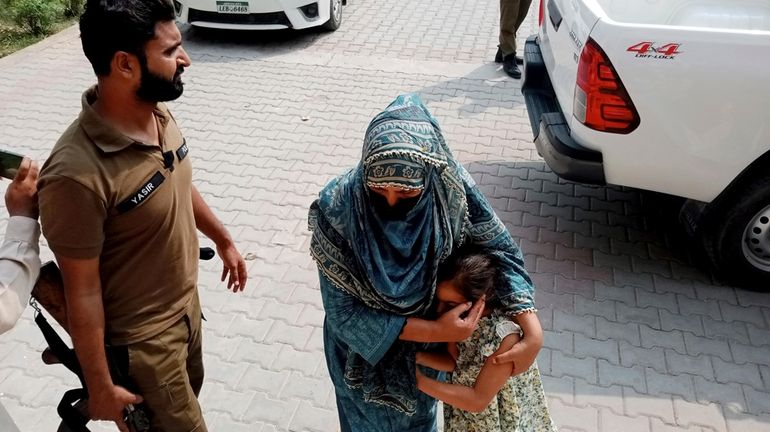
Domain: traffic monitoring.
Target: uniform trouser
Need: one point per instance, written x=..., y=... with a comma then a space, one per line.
x=167, y=371
x=512, y=14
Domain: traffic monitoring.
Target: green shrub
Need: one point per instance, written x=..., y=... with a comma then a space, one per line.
x=36, y=16
x=73, y=8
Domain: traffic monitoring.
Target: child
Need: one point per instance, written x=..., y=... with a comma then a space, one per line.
x=482, y=396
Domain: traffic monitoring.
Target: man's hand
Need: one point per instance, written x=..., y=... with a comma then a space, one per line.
x=454, y=328
x=109, y=404
x=524, y=352
x=21, y=195
x=234, y=265
x=208, y=224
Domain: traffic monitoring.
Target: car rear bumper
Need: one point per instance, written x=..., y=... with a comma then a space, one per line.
x=566, y=157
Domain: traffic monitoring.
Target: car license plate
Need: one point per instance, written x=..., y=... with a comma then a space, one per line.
x=234, y=7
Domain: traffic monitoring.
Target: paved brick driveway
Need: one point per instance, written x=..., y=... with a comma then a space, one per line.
x=638, y=335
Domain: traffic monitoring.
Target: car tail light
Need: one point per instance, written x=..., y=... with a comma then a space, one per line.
x=541, y=15
x=601, y=101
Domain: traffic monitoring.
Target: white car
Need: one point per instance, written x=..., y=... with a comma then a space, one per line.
x=664, y=95
x=260, y=14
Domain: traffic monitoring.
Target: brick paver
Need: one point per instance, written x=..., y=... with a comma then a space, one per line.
x=638, y=335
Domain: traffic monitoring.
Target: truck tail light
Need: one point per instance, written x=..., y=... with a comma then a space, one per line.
x=541, y=15
x=601, y=101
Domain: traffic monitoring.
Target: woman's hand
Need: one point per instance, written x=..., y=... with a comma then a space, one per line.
x=524, y=353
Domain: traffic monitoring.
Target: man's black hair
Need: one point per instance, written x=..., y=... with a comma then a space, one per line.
x=109, y=26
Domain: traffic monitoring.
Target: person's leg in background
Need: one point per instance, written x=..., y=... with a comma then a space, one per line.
x=520, y=17
x=512, y=15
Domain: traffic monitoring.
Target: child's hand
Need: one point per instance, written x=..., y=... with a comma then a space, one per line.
x=456, y=328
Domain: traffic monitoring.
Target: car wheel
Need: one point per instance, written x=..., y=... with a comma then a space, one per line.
x=335, y=15
x=736, y=235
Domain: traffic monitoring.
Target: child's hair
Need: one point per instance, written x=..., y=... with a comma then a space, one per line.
x=475, y=273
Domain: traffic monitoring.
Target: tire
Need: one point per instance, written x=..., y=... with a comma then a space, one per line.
x=736, y=234
x=335, y=16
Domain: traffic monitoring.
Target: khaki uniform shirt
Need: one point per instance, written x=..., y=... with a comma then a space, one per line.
x=104, y=195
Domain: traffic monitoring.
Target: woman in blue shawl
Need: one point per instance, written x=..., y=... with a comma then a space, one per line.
x=380, y=232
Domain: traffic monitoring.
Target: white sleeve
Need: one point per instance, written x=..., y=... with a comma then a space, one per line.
x=19, y=268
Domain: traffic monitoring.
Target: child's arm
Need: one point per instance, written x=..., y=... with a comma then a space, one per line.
x=474, y=399
x=440, y=361
x=453, y=351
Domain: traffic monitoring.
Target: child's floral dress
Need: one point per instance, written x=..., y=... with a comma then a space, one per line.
x=520, y=406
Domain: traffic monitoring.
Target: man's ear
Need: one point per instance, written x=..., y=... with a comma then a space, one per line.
x=126, y=64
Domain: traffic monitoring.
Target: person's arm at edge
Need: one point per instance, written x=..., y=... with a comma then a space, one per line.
x=490, y=380
x=20, y=251
x=211, y=227
x=19, y=267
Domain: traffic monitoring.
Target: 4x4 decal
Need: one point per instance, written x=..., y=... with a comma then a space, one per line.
x=650, y=50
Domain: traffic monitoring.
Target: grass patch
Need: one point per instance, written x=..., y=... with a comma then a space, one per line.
x=14, y=38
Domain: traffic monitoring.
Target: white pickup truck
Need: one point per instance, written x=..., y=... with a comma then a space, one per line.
x=665, y=95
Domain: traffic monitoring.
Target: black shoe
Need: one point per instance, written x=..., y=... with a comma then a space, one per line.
x=510, y=67
x=499, y=57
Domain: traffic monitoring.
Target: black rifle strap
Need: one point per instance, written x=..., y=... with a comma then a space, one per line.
x=60, y=349
x=71, y=416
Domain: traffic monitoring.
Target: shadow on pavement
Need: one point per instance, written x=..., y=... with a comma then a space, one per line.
x=611, y=234
x=485, y=88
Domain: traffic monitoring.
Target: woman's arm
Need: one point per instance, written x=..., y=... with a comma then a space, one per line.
x=524, y=353
x=371, y=332
x=440, y=361
x=474, y=399
x=367, y=331
x=516, y=290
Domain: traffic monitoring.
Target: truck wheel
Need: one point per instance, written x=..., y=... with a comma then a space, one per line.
x=736, y=235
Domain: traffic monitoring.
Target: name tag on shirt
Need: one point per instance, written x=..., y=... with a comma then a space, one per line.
x=142, y=194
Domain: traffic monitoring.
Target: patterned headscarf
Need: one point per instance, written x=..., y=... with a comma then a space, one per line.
x=392, y=264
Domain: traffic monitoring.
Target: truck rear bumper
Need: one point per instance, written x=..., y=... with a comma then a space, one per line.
x=566, y=157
